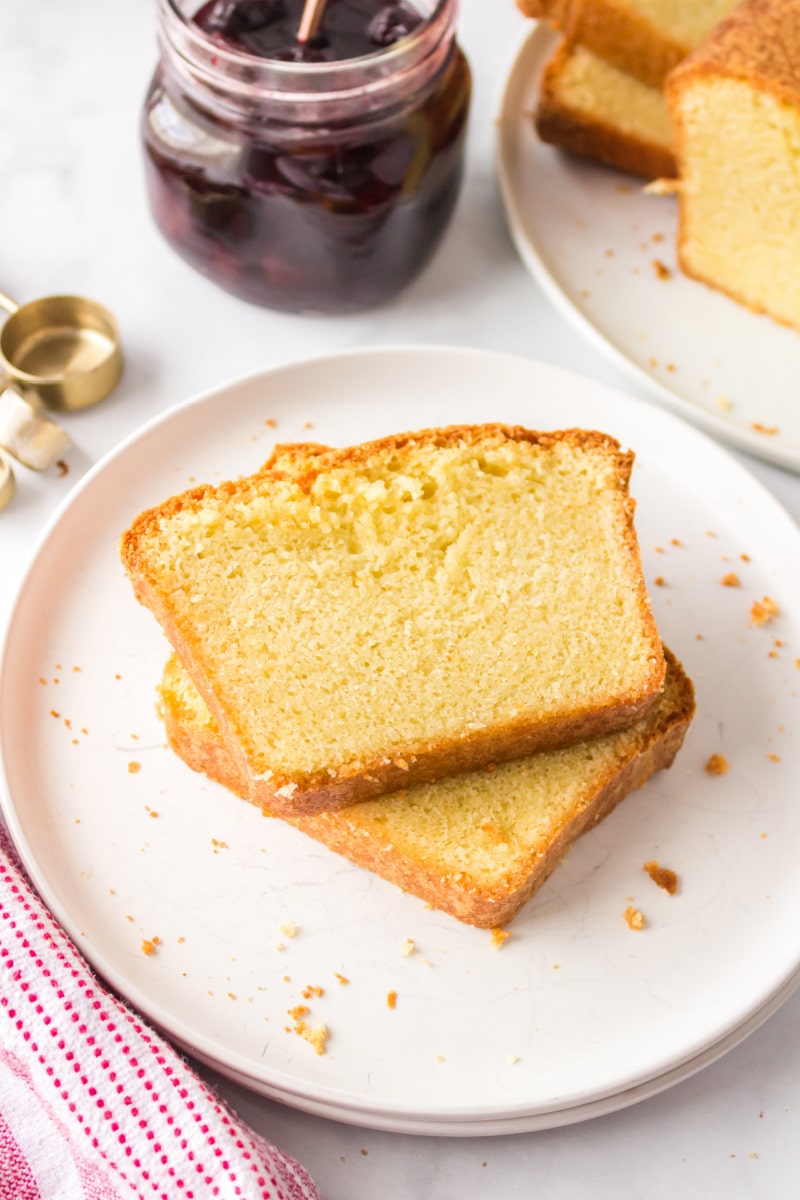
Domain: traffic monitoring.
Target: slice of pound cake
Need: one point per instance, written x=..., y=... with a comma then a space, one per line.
x=406, y=609
x=735, y=105
x=647, y=38
x=476, y=846
x=591, y=108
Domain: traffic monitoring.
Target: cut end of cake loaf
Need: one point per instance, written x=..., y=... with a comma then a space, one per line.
x=406, y=609
x=735, y=106
x=591, y=108
x=476, y=846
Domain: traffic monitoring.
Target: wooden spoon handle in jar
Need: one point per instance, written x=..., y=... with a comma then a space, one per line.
x=310, y=20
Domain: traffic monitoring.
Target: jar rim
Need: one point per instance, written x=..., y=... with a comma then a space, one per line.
x=206, y=58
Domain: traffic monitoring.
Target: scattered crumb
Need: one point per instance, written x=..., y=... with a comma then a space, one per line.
x=556, y=966
x=181, y=939
x=513, y=1059
x=717, y=765
x=148, y=946
x=500, y=937
x=744, y=557
x=662, y=876
x=270, y=423
x=657, y=237
x=342, y=980
x=289, y=929
x=55, y=714
x=671, y=367
x=774, y=757
x=659, y=549
x=653, y=362
x=308, y=425
x=219, y=845
x=231, y=995
x=118, y=677
x=661, y=271
x=763, y=611
x=407, y=948
x=660, y=581
x=675, y=542
x=752, y=1154
x=440, y=1058
x=769, y=430
x=299, y=1010
x=609, y=253
x=391, y=999
x=315, y=1035
x=313, y=989
x=63, y=469
x=364, y=1152
x=634, y=919
x=724, y=403
x=730, y=580
x=134, y=768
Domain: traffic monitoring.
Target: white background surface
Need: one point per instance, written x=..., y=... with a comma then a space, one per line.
x=73, y=218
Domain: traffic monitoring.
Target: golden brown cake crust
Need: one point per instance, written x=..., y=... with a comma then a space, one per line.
x=419, y=762
x=758, y=43
x=363, y=843
x=624, y=38
x=590, y=136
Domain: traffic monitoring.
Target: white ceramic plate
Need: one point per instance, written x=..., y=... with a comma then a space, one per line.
x=544, y=1120
x=591, y=239
x=576, y=1007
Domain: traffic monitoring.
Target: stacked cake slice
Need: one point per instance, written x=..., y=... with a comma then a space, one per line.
x=601, y=94
x=433, y=652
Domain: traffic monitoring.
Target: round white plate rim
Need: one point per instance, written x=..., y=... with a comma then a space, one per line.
x=209, y=1051
x=537, y=43
x=531, y=1122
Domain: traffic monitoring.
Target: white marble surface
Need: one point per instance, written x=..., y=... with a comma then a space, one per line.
x=73, y=218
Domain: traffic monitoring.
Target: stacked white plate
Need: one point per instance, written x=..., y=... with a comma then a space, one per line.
x=576, y=1014
x=605, y=253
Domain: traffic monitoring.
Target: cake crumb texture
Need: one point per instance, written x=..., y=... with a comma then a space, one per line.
x=332, y=618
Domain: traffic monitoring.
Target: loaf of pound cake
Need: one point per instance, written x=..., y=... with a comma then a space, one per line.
x=406, y=609
x=735, y=104
x=476, y=846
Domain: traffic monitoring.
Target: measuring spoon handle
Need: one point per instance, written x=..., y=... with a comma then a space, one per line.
x=7, y=303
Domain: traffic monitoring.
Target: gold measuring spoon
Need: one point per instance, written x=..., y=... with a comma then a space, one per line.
x=61, y=350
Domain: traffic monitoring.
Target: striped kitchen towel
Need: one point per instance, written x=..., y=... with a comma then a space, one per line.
x=94, y=1105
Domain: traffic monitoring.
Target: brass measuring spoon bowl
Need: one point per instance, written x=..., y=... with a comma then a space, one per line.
x=61, y=350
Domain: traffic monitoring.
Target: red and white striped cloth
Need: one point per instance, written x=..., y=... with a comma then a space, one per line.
x=94, y=1105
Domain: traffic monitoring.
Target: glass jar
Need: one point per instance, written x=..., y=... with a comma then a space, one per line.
x=306, y=186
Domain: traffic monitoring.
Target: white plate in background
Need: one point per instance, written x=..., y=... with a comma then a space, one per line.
x=592, y=240
x=576, y=1009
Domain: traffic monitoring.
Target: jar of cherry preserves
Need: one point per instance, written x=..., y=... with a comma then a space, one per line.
x=306, y=177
